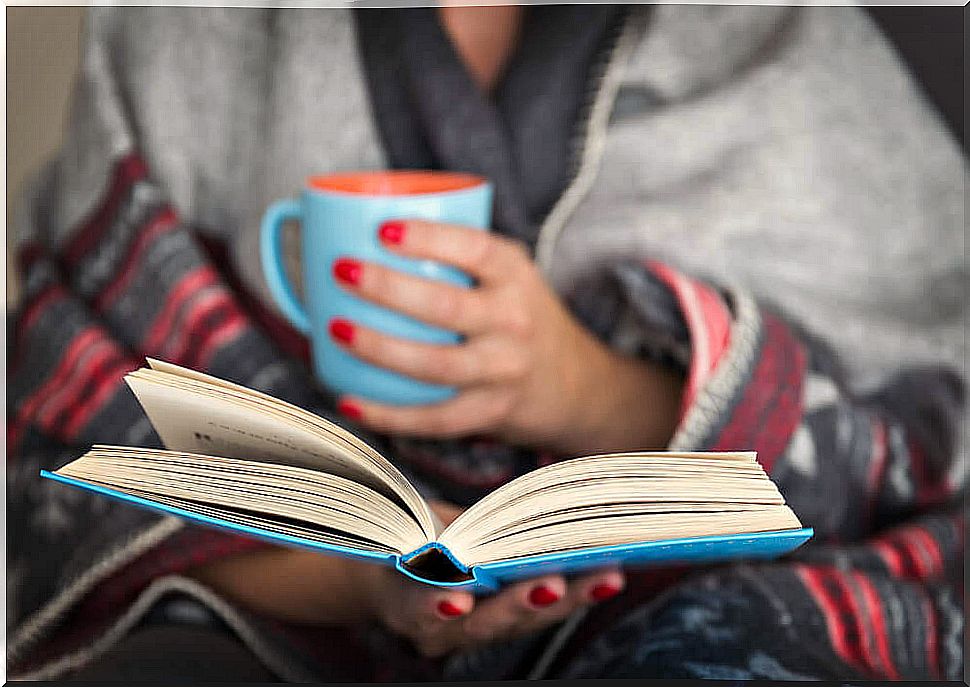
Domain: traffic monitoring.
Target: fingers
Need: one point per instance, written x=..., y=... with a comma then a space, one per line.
x=487, y=257
x=469, y=412
x=422, y=613
x=596, y=587
x=529, y=606
x=452, y=604
x=445, y=620
x=511, y=608
x=431, y=631
x=480, y=360
x=439, y=304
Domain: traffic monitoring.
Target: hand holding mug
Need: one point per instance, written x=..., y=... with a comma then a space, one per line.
x=526, y=371
x=400, y=333
x=338, y=216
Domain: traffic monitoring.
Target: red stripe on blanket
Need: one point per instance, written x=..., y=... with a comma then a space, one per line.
x=110, y=381
x=99, y=354
x=911, y=552
x=771, y=405
x=853, y=618
x=72, y=352
x=932, y=548
x=219, y=337
x=877, y=618
x=290, y=341
x=781, y=418
x=709, y=322
x=814, y=580
x=187, y=287
x=912, y=568
x=128, y=171
x=211, y=323
x=889, y=556
x=161, y=223
x=909, y=544
x=924, y=550
x=202, y=316
x=30, y=312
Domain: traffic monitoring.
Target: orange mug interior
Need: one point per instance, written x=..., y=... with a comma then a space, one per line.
x=394, y=183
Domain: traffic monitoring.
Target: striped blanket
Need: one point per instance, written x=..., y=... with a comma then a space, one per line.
x=878, y=594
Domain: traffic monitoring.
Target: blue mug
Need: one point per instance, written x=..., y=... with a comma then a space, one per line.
x=340, y=216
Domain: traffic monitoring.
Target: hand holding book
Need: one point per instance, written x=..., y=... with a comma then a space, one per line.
x=438, y=621
x=304, y=587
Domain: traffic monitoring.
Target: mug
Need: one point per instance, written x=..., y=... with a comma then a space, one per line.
x=339, y=216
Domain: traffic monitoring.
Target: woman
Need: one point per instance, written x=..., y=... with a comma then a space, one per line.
x=779, y=152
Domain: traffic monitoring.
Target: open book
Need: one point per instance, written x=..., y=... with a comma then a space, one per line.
x=243, y=460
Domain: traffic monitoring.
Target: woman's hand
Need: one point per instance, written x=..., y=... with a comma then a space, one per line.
x=306, y=587
x=439, y=621
x=310, y=588
x=528, y=372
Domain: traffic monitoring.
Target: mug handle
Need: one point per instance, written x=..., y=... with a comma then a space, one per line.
x=272, y=259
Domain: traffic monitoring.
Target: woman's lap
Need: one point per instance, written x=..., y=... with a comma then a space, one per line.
x=732, y=623
x=780, y=621
x=177, y=653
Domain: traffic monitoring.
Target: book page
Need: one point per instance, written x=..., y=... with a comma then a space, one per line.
x=193, y=415
x=308, y=504
x=619, y=499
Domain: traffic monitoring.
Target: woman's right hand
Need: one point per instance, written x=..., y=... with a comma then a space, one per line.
x=439, y=621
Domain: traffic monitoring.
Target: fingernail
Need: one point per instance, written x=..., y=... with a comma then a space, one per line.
x=349, y=409
x=448, y=609
x=542, y=596
x=347, y=270
x=602, y=592
x=342, y=330
x=392, y=232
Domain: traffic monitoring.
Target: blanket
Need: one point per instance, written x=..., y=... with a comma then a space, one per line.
x=878, y=593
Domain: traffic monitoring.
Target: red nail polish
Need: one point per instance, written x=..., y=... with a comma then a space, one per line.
x=349, y=409
x=347, y=270
x=543, y=596
x=342, y=330
x=392, y=232
x=450, y=610
x=602, y=592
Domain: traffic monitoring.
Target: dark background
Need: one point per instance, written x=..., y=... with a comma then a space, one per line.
x=932, y=40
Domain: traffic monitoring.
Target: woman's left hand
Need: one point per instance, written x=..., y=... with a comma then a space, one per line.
x=527, y=371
